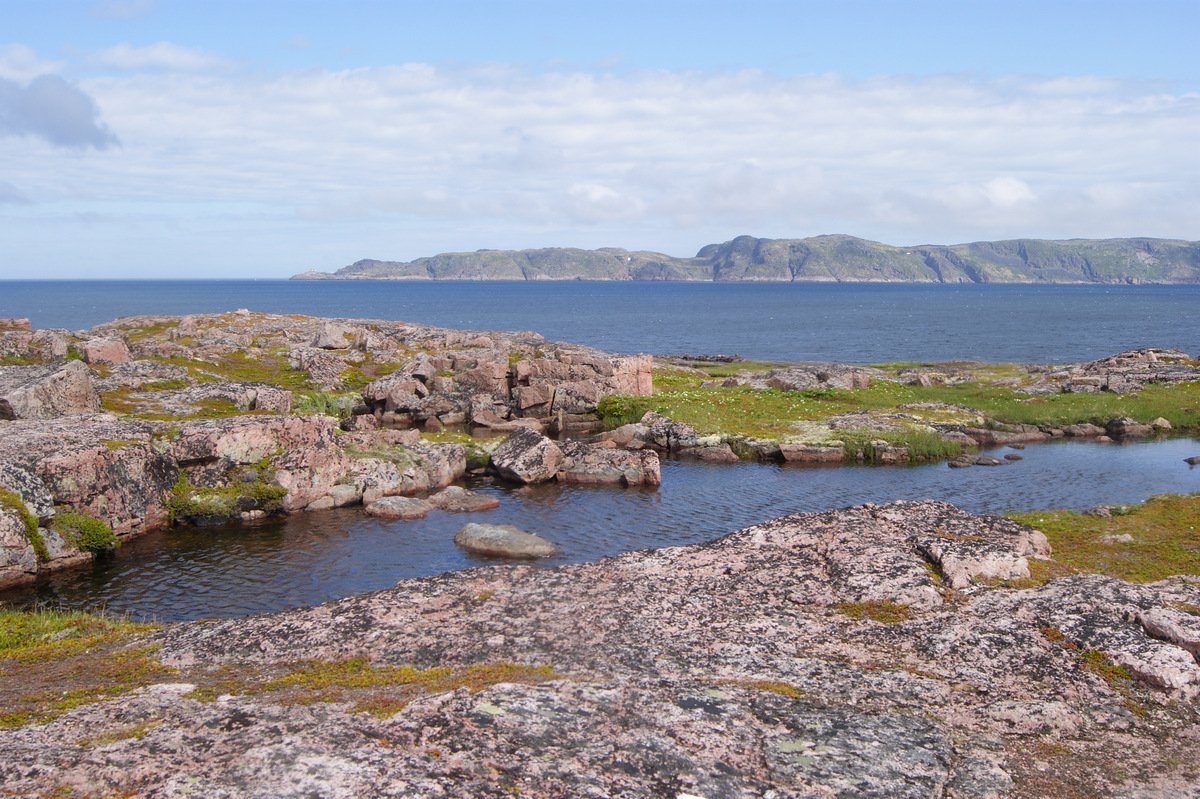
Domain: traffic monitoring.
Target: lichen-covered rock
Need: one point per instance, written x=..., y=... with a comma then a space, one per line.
x=406, y=508
x=527, y=457
x=588, y=464
x=503, y=541
x=47, y=392
x=105, y=350
x=456, y=499
x=743, y=667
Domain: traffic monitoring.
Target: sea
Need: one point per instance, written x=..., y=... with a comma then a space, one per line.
x=848, y=322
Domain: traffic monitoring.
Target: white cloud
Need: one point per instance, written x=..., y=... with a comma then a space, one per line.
x=19, y=62
x=158, y=56
x=410, y=160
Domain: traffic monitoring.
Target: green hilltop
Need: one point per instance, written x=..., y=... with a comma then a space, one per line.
x=834, y=258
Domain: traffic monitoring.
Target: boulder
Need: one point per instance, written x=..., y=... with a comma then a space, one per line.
x=503, y=541
x=105, y=350
x=1125, y=427
x=333, y=335
x=527, y=457
x=47, y=392
x=592, y=464
x=406, y=508
x=456, y=499
x=1083, y=430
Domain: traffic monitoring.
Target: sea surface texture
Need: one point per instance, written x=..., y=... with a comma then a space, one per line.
x=850, y=322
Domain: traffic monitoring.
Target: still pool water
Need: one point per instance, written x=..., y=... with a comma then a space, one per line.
x=306, y=559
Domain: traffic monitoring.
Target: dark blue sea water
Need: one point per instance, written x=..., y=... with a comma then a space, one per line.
x=859, y=323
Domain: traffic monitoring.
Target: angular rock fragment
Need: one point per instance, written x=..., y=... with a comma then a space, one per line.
x=47, y=392
x=527, y=457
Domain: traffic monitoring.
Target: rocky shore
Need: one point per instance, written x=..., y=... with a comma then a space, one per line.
x=147, y=421
x=877, y=651
x=152, y=420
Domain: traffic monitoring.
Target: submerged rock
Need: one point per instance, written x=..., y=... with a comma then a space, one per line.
x=406, y=508
x=456, y=499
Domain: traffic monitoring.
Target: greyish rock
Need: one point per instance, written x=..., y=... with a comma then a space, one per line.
x=457, y=499
x=503, y=541
x=406, y=508
x=47, y=392
x=527, y=457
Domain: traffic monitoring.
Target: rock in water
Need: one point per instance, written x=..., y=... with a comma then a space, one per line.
x=457, y=499
x=527, y=457
x=503, y=541
x=399, y=508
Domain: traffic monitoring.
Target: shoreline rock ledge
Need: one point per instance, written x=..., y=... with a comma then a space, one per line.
x=874, y=651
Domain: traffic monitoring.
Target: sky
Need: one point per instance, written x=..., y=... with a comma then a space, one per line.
x=261, y=138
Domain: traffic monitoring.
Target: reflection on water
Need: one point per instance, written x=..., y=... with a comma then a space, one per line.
x=309, y=558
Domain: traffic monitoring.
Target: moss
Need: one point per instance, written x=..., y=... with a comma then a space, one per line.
x=118, y=443
x=20, y=360
x=166, y=385
x=86, y=532
x=33, y=535
x=772, y=686
x=1165, y=531
x=129, y=732
x=203, y=505
x=883, y=612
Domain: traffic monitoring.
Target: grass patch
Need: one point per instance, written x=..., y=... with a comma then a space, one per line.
x=1165, y=531
x=33, y=535
x=166, y=385
x=20, y=360
x=385, y=690
x=52, y=661
x=323, y=403
x=883, y=612
x=86, y=532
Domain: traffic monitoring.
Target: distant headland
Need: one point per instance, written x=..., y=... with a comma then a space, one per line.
x=833, y=258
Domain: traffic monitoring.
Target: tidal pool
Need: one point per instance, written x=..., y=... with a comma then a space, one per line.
x=308, y=558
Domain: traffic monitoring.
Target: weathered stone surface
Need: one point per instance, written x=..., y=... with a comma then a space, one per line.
x=106, y=350
x=734, y=668
x=588, y=464
x=456, y=499
x=527, y=457
x=406, y=508
x=47, y=392
x=812, y=453
x=503, y=541
x=1126, y=427
x=333, y=335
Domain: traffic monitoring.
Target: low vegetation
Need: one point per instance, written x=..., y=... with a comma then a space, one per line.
x=52, y=661
x=205, y=505
x=85, y=532
x=33, y=534
x=1157, y=539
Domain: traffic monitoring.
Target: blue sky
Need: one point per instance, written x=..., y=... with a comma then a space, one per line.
x=258, y=139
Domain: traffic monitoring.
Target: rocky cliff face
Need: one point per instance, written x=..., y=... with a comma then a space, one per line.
x=819, y=258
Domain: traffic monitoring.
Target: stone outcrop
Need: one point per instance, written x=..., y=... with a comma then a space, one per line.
x=1123, y=373
x=808, y=656
x=587, y=464
x=807, y=375
x=527, y=457
x=106, y=350
x=47, y=392
x=134, y=474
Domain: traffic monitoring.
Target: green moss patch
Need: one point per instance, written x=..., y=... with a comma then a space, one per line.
x=1165, y=532
x=85, y=532
x=883, y=612
x=204, y=505
x=33, y=535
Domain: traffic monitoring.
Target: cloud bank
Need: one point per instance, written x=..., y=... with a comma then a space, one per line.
x=54, y=110
x=318, y=168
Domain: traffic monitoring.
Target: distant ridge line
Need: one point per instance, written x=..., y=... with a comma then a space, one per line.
x=830, y=258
